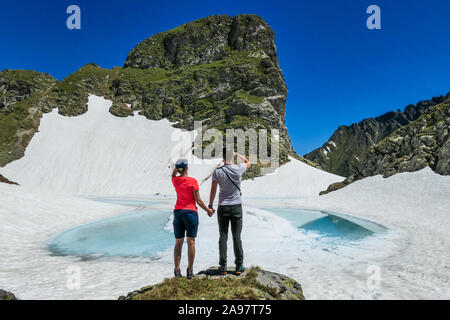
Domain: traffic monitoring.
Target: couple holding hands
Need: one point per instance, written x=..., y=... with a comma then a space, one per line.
x=229, y=212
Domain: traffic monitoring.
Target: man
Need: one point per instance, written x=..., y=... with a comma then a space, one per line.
x=229, y=212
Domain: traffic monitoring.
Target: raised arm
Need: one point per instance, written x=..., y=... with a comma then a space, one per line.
x=201, y=203
x=247, y=162
x=174, y=172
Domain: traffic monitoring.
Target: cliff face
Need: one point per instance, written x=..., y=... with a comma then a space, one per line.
x=414, y=146
x=22, y=99
x=347, y=149
x=221, y=70
x=204, y=41
x=423, y=142
x=19, y=85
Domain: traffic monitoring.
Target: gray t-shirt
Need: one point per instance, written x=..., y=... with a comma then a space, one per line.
x=229, y=194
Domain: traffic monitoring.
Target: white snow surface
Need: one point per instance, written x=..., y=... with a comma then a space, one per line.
x=96, y=156
x=297, y=180
x=97, y=153
x=417, y=207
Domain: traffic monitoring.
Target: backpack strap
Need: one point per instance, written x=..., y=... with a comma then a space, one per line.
x=231, y=180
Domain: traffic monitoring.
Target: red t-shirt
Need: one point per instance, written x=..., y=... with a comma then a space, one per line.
x=185, y=187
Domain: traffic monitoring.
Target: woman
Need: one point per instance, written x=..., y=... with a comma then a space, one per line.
x=185, y=220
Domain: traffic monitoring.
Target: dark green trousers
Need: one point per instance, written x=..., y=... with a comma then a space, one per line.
x=227, y=215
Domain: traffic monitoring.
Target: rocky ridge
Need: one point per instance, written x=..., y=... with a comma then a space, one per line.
x=220, y=70
x=424, y=142
x=346, y=150
x=421, y=143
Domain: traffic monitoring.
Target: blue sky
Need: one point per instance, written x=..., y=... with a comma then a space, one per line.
x=337, y=71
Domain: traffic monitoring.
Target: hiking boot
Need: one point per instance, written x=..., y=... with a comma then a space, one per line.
x=223, y=270
x=177, y=273
x=240, y=269
x=189, y=273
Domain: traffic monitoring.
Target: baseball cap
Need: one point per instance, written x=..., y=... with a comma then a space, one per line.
x=181, y=163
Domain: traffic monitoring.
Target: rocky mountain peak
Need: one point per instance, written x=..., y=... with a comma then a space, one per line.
x=204, y=41
x=220, y=70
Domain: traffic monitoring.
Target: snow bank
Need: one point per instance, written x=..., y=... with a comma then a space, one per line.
x=412, y=260
x=294, y=179
x=99, y=154
x=32, y=272
x=417, y=207
x=29, y=217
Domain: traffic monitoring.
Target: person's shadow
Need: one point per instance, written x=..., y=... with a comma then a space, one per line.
x=214, y=271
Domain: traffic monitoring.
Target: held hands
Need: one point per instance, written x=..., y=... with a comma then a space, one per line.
x=210, y=211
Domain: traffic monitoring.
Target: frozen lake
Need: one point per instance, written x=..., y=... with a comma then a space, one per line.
x=146, y=232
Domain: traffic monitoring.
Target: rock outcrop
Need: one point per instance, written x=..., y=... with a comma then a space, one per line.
x=5, y=180
x=253, y=284
x=6, y=295
x=23, y=97
x=424, y=142
x=419, y=144
x=205, y=41
x=19, y=85
x=345, y=152
x=220, y=70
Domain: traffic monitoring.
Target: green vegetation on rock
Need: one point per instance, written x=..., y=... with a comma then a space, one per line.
x=254, y=284
x=23, y=96
x=421, y=143
x=6, y=295
x=346, y=151
x=220, y=70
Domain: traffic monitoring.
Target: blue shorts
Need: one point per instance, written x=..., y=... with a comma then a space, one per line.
x=185, y=221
